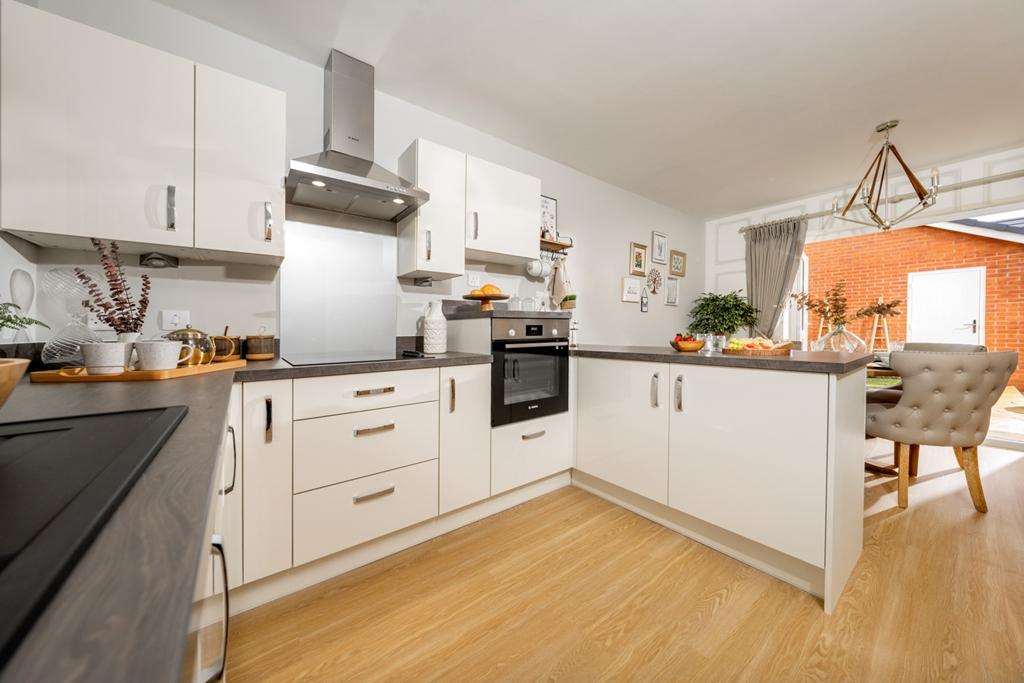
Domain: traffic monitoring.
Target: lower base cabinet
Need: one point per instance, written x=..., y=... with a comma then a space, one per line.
x=465, y=436
x=524, y=452
x=337, y=517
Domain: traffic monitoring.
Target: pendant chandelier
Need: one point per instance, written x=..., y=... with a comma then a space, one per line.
x=871, y=203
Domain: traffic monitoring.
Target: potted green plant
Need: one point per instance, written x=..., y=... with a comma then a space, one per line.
x=716, y=316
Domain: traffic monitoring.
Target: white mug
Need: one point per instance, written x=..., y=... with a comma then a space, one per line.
x=104, y=358
x=162, y=354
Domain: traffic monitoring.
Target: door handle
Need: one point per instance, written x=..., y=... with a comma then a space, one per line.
x=680, y=380
x=362, y=497
x=268, y=222
x=476, y=225
x=373, y=392
x=655, y=380
x=172, y=211
x=429, y=250
x=535, y=435
x=217, y=672
x=451, y=386
x=268, y=434
x=234, y=463
x=366, y=431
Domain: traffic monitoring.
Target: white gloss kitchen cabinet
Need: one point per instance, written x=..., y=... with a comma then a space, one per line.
x=97, y=133
x=622, y=429
x=502, y=213
x=465, y=436
x=240, y=163
x=523, y=452
x=266, y=477
x=105, y=137
x=748, y=451
x=432, y=240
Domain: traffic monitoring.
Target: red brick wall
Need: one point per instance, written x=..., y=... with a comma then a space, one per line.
x=877, y=265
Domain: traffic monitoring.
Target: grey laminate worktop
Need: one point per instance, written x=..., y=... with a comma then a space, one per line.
x=123, y=612
x=255, y=371
x=830, y=362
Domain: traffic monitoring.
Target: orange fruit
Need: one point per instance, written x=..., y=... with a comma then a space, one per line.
x=490, y=289
x=476, y=292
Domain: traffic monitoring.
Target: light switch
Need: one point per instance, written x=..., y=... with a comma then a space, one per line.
x=173, y=320
x=473, y=278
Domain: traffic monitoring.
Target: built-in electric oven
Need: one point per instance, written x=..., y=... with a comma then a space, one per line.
x=530, y=372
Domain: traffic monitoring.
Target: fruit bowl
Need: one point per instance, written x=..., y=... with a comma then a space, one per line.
x=687, y=346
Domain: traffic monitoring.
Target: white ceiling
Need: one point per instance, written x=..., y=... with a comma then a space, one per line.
x=711, y=107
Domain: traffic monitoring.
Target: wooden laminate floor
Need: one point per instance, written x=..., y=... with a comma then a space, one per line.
x=571, y=587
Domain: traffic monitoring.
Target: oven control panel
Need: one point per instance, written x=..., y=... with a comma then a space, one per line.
x=529, y=328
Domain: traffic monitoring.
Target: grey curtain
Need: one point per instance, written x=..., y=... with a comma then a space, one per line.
x=773, y=257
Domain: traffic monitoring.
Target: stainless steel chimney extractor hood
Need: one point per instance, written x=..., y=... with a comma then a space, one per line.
x=343, y=178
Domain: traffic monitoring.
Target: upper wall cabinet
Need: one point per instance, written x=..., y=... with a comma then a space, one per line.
x=240, y=157
x=502, y=213
x=97, y=133
x=431, y=241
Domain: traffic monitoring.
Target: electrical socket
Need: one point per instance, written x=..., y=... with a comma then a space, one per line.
x=473, y=278
x=173, y=320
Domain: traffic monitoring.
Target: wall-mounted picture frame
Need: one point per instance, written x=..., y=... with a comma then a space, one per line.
x=637, y=259
x=548, y=217
x=677, y=263
x=671, y=291
x=659, y=247
x=632, y=288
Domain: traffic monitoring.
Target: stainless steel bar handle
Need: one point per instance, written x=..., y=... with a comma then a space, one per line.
x=234, y=462
x=373, y=392
x=476, y=225
x=217, y=671
x=268, y=435
x=679, y=393
x=366, y=431
x=172, y=211
x=362, y=497
x=535, y=435
x=451, y=386
x=268, y=222
x=536, y=345
x=429, y=249
x=655, y=379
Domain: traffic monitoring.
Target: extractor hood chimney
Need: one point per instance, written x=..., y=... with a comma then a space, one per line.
x=343, y=178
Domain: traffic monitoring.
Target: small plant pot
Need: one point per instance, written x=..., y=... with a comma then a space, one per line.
x=568, y=305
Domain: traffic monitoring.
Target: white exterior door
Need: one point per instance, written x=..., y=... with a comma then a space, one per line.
x=946, y=306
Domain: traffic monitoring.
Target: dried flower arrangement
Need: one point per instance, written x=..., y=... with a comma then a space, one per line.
x=116, y=308
x=831, y=308
x=883, y=309
x=654, y=280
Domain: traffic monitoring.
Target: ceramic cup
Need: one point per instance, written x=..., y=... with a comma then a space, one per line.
x=104, y=358
x=160, y=354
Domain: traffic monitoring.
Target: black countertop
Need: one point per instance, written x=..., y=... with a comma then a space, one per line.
x=256, y=371
x=830, y=362
x=123, y=612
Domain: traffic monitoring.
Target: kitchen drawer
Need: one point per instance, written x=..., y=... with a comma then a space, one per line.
x=319, y=396
x=329, y=450
x=337, y=517
x=524, y=452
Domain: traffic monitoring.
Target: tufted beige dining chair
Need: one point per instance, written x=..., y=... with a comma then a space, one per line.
x=892, y=394
x=947, y=400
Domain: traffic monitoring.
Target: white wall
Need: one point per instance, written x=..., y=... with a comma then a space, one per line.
x=603, y=219
x=725, y=269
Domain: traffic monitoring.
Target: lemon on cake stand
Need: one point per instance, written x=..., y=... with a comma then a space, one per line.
x=486, y=295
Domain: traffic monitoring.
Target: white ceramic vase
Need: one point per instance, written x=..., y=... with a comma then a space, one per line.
x=435, y=329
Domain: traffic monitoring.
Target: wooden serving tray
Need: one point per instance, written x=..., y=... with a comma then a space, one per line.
x=486, y=299
x=80, y=374
x=782, y=351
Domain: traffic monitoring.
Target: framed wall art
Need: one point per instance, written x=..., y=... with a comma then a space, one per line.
x=548, y=217
x=671, y=291
x=637, y=259
x=659, y=248
x=677, y=263
x=632, y=287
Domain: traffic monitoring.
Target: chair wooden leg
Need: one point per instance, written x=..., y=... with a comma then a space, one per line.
x=903, y=463
x=970, y=462
x=915, y=455
x=959, y=452
x=896, y=454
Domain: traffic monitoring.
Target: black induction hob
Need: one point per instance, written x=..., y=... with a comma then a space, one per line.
x=60, y=481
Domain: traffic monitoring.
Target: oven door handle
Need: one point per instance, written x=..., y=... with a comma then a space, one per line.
x=536, y=345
